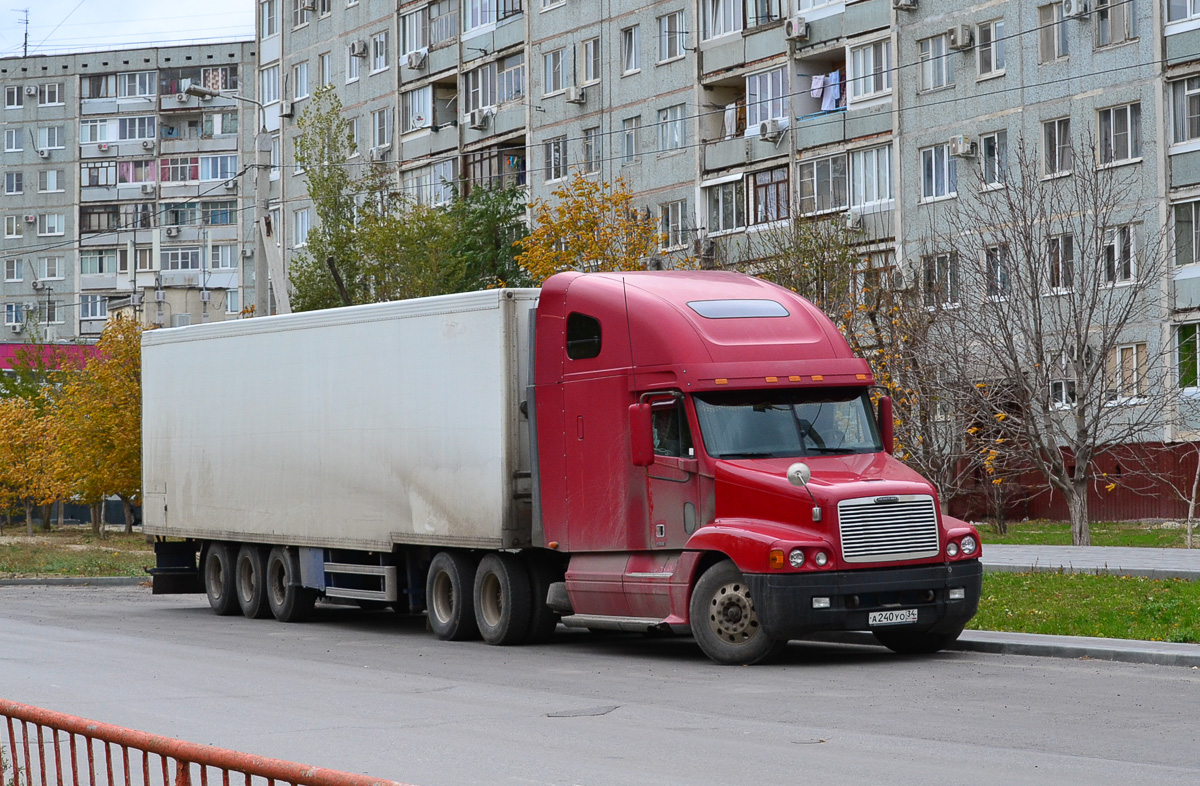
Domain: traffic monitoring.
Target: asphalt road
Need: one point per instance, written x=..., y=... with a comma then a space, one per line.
x=371, y=692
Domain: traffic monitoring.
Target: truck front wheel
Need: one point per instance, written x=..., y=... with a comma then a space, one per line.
x=909, y=642
x=502, y=594
x=289, y=601
x=723, y=619
x=450, y=597
x=219, y=578
x=251, y=582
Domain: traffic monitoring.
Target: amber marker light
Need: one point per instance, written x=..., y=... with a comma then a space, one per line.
x=553, y=544
x=772, y=379
x=721, y=381
x=818, y=378
x=776, y=559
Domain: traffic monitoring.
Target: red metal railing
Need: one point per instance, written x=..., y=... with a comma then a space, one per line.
x=46, y=748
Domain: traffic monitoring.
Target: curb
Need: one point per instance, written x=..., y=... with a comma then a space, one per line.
x=75, y=581
x=1094, y=570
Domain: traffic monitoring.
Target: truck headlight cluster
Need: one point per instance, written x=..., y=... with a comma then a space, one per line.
x=951, y=549
x=796, y=558
x=822, y=559
x=969, y=544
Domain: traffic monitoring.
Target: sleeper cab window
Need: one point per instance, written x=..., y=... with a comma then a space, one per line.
x=583, y=337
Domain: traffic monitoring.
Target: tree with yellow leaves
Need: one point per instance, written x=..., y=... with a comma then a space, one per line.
x=27, y=457
x=588, y=225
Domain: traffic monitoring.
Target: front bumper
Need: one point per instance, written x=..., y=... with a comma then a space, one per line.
x=784, y=601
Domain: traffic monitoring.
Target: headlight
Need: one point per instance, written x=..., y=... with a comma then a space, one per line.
x=969, y=545
x=821, y=559
x=796, y=558
x=952, y=550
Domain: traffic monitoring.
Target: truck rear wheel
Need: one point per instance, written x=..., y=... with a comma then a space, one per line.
x=502, y=606
x=723, y=620
x=450, y=597
x=219, y=578
x=252, y=582
x=289, y=601
x=911, y=642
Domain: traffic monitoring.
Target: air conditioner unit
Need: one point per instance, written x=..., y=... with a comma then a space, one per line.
x=16, y=327
x=378, y=153
x=205, y=296
x=960, y=37
x=247, y=253
x=231, y=185
x=770, y=130
x=43, y=153
x=575, y=95
x=358, y=48
x=796, y=29
x=102, y=147
x=285, y=108
x=172, y=232
x=704, y=247
x=30, y=219
x=416, y=59
x=160, y=296
x=1075, y=9
x=181, y=320
x=477, y=119
x=853, y=220
x=147, y=188
x=38, y=286
x=181, y=97
x=904, y=5
x=30, y=90
x=308, y=5
x=147, y=144
x=962, y=146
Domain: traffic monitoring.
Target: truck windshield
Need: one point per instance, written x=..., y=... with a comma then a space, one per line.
x=786, y=423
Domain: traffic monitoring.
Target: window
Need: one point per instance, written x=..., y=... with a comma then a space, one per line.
x=179, y=170
x=989, y=48
x=510, y=80
x=1185, y=106
x=325, y=68
x=414, y=31
x=993, y=158
x=870, y=70
x=97, y=173
x=629, y=139
x=631, y=57
x=381, y=127
x=224, y=257
x=937, y=67
x=50, y=313
x=12, y=270
x=1187, y=241
x=137, y=215
x=232, y=302
x=14, y=97
x=760, y=12
x=593, y=149
x=583, y=337
x=766, y=97
x=671, y=132
x=546, y=4
x=13, y=226
x=14, y=314
x=180, y=214
x=443, y=21
x=353, y=128
x=379, y=51
x=670, y=224
x=324, y=7
x=940, y=275
x=12, y=140
x=670, y=36
x=99, y=218
x=50, y=94
x=442, y=182
x=140, y=84
x=1060, y=370
x=135, y=128
x=137, y=171
x=1118, y=255
x=352, y=62
x=770, y=195
x=301, y=12
x=1114, y=22
x=1060, y=263
x=823, y=185
x=50, y=268
x=721, y=17
x=302, y=222
x=268, y=18
x=104, y=86
x=1187, y=341
x=556, y=158
x=870, y=176
x=51, y=224
x=996, y=268
x=93, y=131
x=219, y=124
x=591, y=61
x=50, y=180
x=93, y=307
x=276, y=156
x=1182, y=9
x=14, y=183
x=417, y=108
x=477, y=13
x=98, y=261
x=270, y=84
x=553, y=73
x=939, y=172
x=1056, y=141
x=143, y=256
x=300, y=81
x=727, y=206
x=1120, y=133
x=1053, y=33
x=50, y=138
x=180, y=258
x=218, y=167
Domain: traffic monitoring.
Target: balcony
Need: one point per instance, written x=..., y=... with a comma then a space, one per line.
x=725, y=153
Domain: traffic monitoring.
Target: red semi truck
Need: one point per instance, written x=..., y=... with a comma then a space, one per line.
x=690, y=452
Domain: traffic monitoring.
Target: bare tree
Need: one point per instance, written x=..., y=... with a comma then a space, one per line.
x=1047, y=292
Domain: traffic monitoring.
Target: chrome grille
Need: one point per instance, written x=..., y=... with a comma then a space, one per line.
x=883, y=529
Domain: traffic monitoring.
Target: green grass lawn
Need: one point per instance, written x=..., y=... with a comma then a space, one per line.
x=72, y=551
x=1104, y=533
x=1078, y=604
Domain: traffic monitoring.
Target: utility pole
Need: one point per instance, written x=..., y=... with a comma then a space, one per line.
x=25, y=21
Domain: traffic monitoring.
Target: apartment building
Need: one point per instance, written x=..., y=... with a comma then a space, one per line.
x=123, y=192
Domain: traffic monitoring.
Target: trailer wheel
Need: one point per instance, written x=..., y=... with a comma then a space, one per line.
x=502, y=600
x=289, y=601
x=542, y=619
x=219, y=578
x=448, y=593
x=723, y=620
x=909, y=642
x=252, y=582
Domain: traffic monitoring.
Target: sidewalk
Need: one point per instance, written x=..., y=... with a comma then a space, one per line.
x=1112, y=560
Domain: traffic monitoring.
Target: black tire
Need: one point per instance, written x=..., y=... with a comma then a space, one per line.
x=219, y=578
x=542, y=619
x=915, y=642
x=449, y=594
x=251, y=580
x=723, y=619
x=288, y=600
x=502, y=601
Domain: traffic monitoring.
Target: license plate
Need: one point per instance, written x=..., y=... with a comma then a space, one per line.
x=896, y=617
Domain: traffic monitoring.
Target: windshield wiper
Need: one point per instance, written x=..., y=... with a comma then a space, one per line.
x=749, y=455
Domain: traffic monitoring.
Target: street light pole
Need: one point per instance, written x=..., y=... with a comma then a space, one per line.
x=262, y=220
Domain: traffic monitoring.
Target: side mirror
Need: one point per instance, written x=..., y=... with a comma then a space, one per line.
x=641, y=435
x=886, y=424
